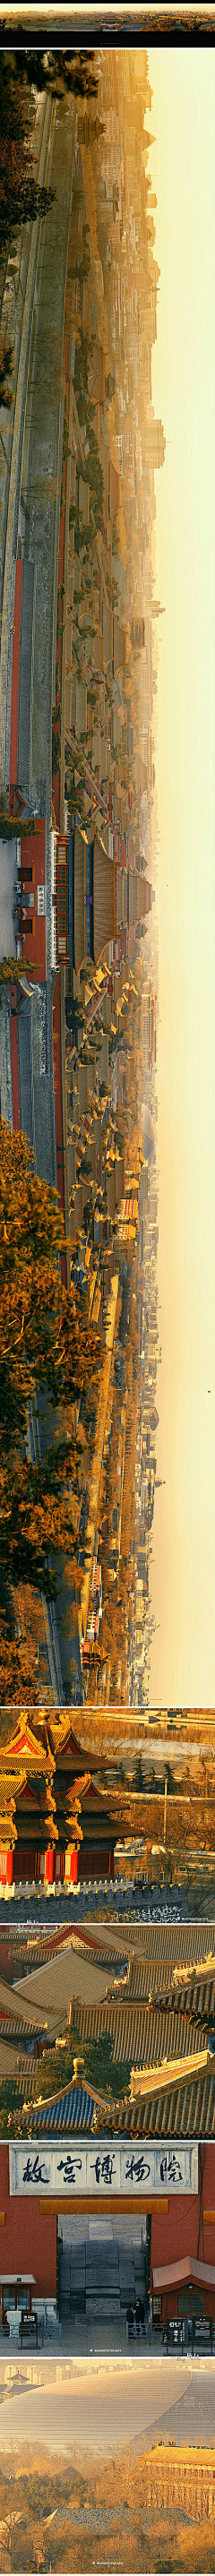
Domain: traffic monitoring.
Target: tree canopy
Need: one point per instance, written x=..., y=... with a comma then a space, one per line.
x=95, y=2057
x=23, y=73
x=48, y=1356
x=21, y=198
x=56, y=70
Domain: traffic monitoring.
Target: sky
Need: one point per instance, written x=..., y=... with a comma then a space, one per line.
x=182, y=166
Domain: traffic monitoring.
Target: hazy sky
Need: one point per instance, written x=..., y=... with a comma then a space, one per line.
x=182, y=164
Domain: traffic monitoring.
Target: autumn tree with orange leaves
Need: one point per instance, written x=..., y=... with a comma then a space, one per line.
x=48, y=1358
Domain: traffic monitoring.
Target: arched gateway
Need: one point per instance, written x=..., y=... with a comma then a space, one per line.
x=160, y=2181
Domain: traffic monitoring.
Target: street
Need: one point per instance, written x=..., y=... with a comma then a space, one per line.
x=105, y=2407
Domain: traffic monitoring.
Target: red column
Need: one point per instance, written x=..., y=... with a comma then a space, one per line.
x=6, y=1867
x=49, y=1865
x=71, y=1864
x=9, y=1869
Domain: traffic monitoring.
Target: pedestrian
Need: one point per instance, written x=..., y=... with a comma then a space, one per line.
x=129, y=2323
x=149, y=2318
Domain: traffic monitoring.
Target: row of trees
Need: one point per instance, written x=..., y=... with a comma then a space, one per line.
x=47, y=1354
x=63, y=74
x=21, y=200
x=24, y=74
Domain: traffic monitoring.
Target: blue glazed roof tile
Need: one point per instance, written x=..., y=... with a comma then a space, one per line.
x=73, y=2111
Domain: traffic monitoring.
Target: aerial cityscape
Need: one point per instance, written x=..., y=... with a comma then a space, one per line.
x=78, y=1024
x=107, y=1275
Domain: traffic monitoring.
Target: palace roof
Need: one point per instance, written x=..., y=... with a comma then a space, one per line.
x=72, y=2110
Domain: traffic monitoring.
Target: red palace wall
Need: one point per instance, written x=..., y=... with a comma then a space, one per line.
x=185, y=2228
x=27, y=2240
x=15, y=674
x=32, y=849
x=33, y=855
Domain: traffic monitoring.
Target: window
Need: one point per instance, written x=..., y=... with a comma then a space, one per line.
x=89, y=899
x=62, y=905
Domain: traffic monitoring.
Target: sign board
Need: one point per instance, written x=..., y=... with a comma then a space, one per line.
x=103, y=2165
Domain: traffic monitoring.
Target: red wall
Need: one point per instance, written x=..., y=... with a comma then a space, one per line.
x=27, y=2240
x=33, y=855
x=176, y=2232
x=15, y=674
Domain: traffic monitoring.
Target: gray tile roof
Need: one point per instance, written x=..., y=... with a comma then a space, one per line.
x=140, y=2032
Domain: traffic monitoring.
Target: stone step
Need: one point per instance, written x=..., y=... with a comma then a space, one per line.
x=104, y=2306
x=100, y=2268
x=77, y=2269
x=101, y=2281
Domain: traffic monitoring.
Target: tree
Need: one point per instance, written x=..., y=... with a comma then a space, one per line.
x=45, y=1342
x=93, y=474
x=10, y=2115
x=82, y=267
x=19, y=1670
x=94, y=2058
x=11, y=969
x=21, y=198
x=60, y=72
x=115, y=536
x=112, y=592
x=10, y=823
x=46, y=1352
x=6, y=372
x=36, y=1521
x=108, y=2074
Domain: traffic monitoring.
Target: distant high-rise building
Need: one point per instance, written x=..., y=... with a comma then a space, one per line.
x=138, y=632
x=154, y=441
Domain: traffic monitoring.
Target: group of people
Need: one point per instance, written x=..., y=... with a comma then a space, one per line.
x=136, y=2320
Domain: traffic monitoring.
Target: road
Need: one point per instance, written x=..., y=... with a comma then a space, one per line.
x=102, y=2409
